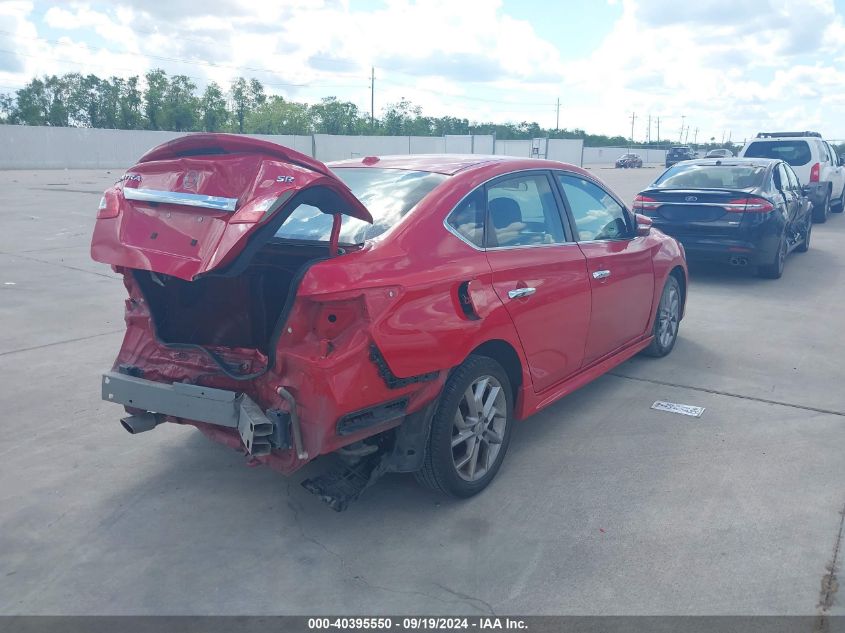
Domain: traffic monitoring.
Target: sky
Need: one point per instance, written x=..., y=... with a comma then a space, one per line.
x=721, y=68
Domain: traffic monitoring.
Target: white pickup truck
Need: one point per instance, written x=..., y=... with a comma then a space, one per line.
x=813, y=160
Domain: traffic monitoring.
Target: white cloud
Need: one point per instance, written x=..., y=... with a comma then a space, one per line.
x=724, y=64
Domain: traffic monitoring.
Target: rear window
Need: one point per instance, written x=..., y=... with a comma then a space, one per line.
x=388, y=194
x=678, y=150
x=711, y=177
x=796, y=153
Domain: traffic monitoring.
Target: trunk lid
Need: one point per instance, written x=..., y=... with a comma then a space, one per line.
x=191, y=205
x=692, y=206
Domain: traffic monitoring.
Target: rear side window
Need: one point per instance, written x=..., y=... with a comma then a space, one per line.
x=522, y=212
x=796, y=152
x=467, y=219
x=597, y=215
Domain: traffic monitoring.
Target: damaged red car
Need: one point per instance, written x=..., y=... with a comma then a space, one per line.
x=400, y=313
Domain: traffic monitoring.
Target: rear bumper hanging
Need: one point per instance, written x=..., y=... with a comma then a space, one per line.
x=260, y=432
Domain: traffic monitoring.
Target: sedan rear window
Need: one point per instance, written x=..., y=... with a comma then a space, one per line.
x=796, y=153
x=388, y=194
x=711, y=177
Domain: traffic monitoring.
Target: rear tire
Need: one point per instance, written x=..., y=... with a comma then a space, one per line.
x=470, y=430
x=820, y=214
x=667, y=320
x=840, y=205
x=774, y=270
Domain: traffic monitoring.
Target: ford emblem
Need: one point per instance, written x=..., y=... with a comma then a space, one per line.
x=691, y=199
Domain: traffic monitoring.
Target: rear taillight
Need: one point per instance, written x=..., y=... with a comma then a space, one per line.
x=748, y=205
x=644, y=203
x=109, y=207
x=815, y=172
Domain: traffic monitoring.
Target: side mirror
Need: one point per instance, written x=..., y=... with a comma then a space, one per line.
x=643, y=224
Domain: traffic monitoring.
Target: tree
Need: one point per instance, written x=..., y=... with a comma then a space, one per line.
x=246, y=96
x=332, y=116
x=278, y=116
x=399, y=118
x=213, y=111
x=181, y=107
x=32, y=104
x=7, y=105
x=157, y=85
x=130, y=105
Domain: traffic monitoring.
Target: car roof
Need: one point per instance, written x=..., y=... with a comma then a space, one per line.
x=449, y=164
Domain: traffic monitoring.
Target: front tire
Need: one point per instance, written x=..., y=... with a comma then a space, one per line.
x=667, y=320
x=470, y=430
x=805, y=242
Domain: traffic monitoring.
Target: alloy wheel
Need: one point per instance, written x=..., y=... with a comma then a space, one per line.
x=668, y=316
x=479, y=427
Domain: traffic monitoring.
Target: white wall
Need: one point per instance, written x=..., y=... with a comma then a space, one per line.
x=566, y=150
x=42, y=147
x=520, y=148
x=610, y=154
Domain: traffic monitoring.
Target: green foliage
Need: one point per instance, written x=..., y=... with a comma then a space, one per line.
x=173, y=103
x=213, y=113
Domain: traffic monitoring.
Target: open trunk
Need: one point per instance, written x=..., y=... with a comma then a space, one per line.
x=245, y=310
x=194, y=223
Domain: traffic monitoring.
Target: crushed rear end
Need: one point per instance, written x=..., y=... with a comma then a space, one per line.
x=260, y=343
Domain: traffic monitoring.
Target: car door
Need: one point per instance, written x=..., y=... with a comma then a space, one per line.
x=791, y=200
x=619, y=263
x=837, y=172
x=802, y=204
x=539, y=273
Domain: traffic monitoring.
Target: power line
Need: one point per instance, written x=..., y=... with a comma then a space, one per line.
x=77, y=62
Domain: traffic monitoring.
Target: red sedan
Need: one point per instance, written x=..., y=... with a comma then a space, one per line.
x=399, y=312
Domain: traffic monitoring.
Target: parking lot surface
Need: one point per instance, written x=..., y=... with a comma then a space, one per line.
x=603, y=506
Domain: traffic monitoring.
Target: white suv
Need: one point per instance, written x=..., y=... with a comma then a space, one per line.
x=814, y=162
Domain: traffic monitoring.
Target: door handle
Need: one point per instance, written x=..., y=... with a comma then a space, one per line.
x=601, y=274
x=521, y=292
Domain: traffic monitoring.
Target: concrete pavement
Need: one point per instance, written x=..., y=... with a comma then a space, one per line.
x=603, y=506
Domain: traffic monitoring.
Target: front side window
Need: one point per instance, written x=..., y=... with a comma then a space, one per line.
x=388, y=195
x=522, y=211
x=596, y=213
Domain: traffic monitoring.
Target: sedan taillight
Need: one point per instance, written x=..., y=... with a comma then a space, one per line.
x=109, y=206
x=644, y=203
x=749, y=205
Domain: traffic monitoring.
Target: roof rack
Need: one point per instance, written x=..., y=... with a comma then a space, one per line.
x=787, y=134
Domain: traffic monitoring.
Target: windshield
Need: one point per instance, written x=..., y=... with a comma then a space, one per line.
x=796, y=153
x=711, y=177
x=388, y=194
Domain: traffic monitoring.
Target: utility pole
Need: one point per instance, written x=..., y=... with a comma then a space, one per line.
x=633, y=118
x=658, y=130
x=649, y=129
x=557, y=115
x=695, y=136
x=682, y=128
x=687, y=136
x=372, y=96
